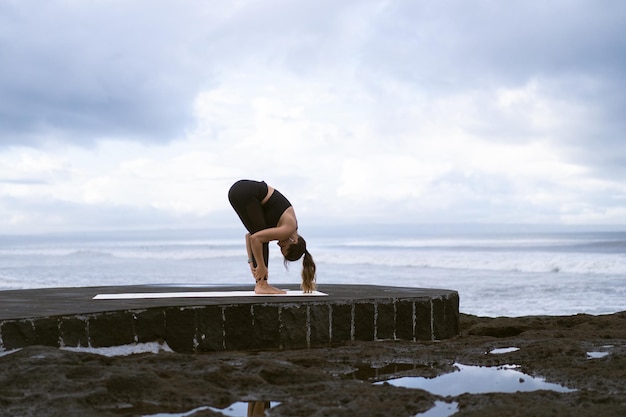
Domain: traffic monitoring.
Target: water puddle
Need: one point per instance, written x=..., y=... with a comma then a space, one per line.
x=500, y=351
x=239, y=409
x=367, y=372
x=478, y=380
x=597, y=355
x=441, y=409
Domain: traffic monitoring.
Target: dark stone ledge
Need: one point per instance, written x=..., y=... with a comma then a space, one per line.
x=70, y=317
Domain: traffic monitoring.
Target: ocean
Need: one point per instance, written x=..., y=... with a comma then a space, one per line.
x=495, y=273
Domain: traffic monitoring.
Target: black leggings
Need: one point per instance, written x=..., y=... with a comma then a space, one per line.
x=246, y=196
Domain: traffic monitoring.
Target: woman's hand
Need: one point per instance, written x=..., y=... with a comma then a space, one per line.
x=259, y=272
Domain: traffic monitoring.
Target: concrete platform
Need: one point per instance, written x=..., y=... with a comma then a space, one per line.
x=71, y=317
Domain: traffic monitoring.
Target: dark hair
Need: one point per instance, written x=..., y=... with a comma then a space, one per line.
x=295, y=252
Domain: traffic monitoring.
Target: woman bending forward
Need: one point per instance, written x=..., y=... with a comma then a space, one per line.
x=268, y=216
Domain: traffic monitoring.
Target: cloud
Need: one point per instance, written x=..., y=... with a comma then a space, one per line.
x=81, y=71
x=478, y=42
x=43, y=215
x=358, y=111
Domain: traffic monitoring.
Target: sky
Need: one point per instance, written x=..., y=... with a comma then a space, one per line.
x=139, y=114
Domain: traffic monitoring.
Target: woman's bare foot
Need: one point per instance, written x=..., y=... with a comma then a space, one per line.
x=262, y=287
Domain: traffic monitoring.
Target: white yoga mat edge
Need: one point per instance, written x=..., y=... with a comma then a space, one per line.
x=204, y=294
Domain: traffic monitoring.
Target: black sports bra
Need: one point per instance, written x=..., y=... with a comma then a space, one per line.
x=275, y=207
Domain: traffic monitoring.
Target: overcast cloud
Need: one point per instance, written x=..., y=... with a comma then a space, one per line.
x=136, y=114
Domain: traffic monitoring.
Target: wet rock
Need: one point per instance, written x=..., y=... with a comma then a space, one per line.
x=338, y=381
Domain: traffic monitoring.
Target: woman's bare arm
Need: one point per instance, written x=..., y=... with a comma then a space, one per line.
x=250, y=255
x=287, y=225
x=260, y=271
x=273, y=233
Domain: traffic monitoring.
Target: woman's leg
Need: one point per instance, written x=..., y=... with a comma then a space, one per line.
x=244, y=197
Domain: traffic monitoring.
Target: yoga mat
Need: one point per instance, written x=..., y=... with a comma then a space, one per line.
x=198, y=294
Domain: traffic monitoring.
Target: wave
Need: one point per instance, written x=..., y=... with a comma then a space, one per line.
x=88, y=254
x=483, y=260
x=159, y=251
x=552, y=254
x=496, y=245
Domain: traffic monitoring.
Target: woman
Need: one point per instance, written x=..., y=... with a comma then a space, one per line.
x=269, y=216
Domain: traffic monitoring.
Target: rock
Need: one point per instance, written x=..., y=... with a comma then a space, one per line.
x=336, y=381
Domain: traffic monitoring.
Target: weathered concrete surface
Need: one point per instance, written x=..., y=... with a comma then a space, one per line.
x=70, y=317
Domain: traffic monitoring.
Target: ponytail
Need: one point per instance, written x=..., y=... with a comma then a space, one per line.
x=308, y=273
x=294, y=252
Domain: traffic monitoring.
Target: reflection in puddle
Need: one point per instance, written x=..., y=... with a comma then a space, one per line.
x=441, y=409
x=500, y=351
x=597, y=355
x=478, y=380
x=188, y=413
x=240, y=409
x=365, y=372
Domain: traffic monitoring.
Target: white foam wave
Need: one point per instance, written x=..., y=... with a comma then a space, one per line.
x=557, y=243
x=462, y=243
x=576, y=263
x=176, y=253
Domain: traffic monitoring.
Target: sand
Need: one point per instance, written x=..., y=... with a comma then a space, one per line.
x=584, y=353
